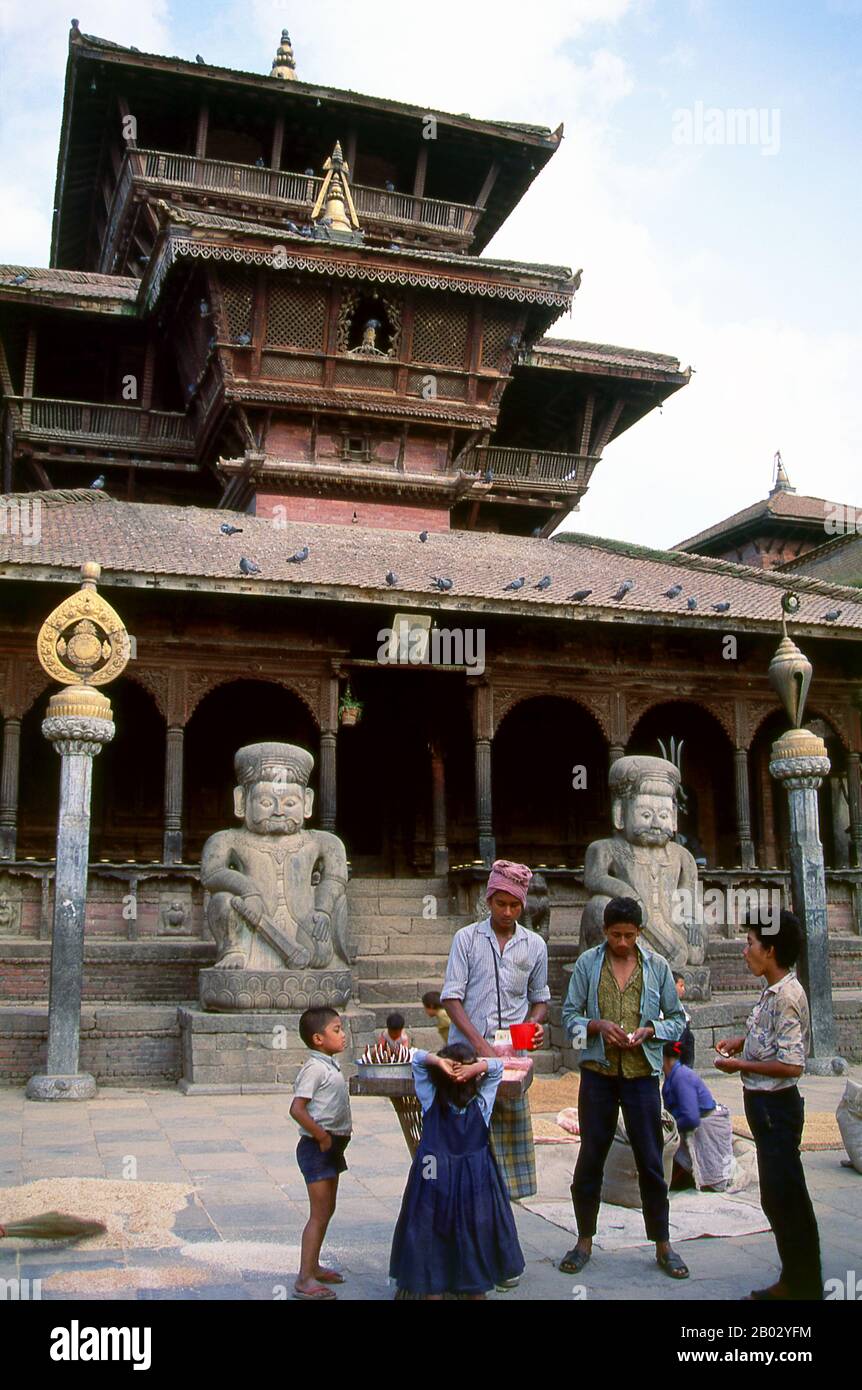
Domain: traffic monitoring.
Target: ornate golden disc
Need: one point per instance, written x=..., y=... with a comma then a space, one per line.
x=83, y=642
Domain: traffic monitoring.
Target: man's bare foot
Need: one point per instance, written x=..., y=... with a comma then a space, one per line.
x=328, y=1276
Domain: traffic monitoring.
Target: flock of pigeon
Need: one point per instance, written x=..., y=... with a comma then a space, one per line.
x=442, y=584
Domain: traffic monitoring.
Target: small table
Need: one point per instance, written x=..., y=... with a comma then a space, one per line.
x=400, y=1089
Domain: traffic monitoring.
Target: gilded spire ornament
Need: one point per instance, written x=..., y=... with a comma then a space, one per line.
x=284, y=63
x=334, y=212
x=83, y=644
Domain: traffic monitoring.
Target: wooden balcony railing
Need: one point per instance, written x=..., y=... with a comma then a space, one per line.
x=296, y=191
x=534, y=468
x=121, y=425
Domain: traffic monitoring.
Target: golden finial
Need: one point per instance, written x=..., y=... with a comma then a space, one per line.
x=284, y=64
x=334, y=207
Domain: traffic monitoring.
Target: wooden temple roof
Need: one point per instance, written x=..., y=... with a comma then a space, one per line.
x=174, y=547
x=782, y=507
x=69, y=289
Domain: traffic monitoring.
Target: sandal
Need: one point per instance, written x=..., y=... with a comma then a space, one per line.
x=315, y=1295
x=329, y=1276
x=574, y=1261
x=673, y=1265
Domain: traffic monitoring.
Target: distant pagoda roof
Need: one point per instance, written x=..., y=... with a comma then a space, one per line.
x=173, y=547
x=69, y=289
x=779, y=507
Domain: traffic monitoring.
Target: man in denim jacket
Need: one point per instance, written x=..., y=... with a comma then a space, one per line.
x=620, y=1009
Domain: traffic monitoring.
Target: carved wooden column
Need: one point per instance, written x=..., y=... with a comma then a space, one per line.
x=615, y=752
x=172, y=852
x=482, y=734
x=743, y=809
x=854, y=796
x=9, y=787
x=327, y=772
x=440, y=847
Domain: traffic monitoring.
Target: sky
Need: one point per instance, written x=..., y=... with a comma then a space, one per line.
x=739, y=256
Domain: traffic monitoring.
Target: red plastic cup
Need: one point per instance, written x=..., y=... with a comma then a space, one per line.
x=523, y=1036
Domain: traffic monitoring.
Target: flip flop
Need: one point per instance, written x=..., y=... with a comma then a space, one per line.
x=673, y=1265
x=318, y=1295
x=329, y=1276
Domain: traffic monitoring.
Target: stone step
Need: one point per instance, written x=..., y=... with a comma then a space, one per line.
x=393, y=967
x=397, y=887
x=120, y=1043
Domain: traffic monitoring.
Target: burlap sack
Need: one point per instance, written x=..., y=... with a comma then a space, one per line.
x=620, y=1186
x=849, y=1117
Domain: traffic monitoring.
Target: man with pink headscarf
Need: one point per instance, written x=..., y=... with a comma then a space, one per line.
x=497, y=974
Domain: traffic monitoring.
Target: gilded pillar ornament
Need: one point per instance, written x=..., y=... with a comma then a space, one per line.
x=799, y=761
x=82, y=644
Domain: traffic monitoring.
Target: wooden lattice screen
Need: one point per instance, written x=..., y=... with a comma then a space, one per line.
x=440, y=330
x=297, y=316
x=497, y=329
x=237, y=290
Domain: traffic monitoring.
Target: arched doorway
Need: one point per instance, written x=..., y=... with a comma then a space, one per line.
x=549, y=773
x=384, y=796
x=39, y=787
x=707, y=818
x=232, y=715
x=127, y=816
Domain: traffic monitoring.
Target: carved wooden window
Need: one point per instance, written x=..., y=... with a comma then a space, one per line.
x=369, y=324
x=497, y=330
x=440, y=330
x=297, y=315
x=237, y=290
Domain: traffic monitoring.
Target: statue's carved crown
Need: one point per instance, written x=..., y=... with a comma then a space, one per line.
x=634, y=775
x=272, y=762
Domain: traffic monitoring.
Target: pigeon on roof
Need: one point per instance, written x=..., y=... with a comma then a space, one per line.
x=625, y=588
x=442, y=584
x=298, y=556
x=391, y=578
x=691, y=603
x=248, y=566
x=515, y=584
x=544, y=582
x=579, y=595
x=423, y=536
x=673, y=591
x=98, y=483
x=721, y=607
x=228, y=530
x=833, y=615
x=20, y=277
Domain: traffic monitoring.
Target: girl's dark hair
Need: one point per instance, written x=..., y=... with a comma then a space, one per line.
x=672, y=1049
x=460, y=1093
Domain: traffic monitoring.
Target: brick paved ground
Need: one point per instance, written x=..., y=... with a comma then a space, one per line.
x=239, y=1237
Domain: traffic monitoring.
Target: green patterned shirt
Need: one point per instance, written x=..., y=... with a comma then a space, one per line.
x=622, y=1007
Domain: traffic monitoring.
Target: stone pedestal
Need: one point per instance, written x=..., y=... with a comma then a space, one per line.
x=78, y=738
x=239, y=991
x=224, y=1054
x=697, y=985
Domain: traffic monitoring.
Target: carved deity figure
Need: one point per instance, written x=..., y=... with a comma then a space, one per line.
x=277, y=890
x=643, y=861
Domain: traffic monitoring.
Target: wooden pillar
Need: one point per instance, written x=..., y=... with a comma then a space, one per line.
x=440, y=847
x=202, y=131
x=277, y=143
x=328, y=770
x=9, y=788
x=483, y=731
x=770, y=849
x=173, y=829
x=743, y=809
x=854, y=796
x=419, y=179
x=29, y=374
x=615, y=752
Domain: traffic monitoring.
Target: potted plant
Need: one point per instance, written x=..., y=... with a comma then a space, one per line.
x=349, y=708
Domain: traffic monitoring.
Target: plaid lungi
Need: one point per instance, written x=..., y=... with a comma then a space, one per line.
x=512, y=1145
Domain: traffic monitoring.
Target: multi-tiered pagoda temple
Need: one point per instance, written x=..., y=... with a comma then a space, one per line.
x=271, y=383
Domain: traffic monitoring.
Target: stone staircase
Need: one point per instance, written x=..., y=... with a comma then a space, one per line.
x=403, y=928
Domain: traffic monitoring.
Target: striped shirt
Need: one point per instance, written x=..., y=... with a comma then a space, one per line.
x=521, y=969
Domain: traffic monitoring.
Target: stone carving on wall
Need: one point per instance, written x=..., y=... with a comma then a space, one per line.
x=277, y=901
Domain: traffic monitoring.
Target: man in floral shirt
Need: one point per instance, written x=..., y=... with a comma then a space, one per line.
x=773, y=1058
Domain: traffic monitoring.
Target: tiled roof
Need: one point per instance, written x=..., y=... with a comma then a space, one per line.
x=80, y=284
x=789, y=506
x=213, y=221
x=606, y=354
x=185, y=544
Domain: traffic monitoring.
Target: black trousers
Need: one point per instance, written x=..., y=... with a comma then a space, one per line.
x=775, y=1119
x=599, y=1101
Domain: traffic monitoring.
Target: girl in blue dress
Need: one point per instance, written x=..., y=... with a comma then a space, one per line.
x=455, y=1233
